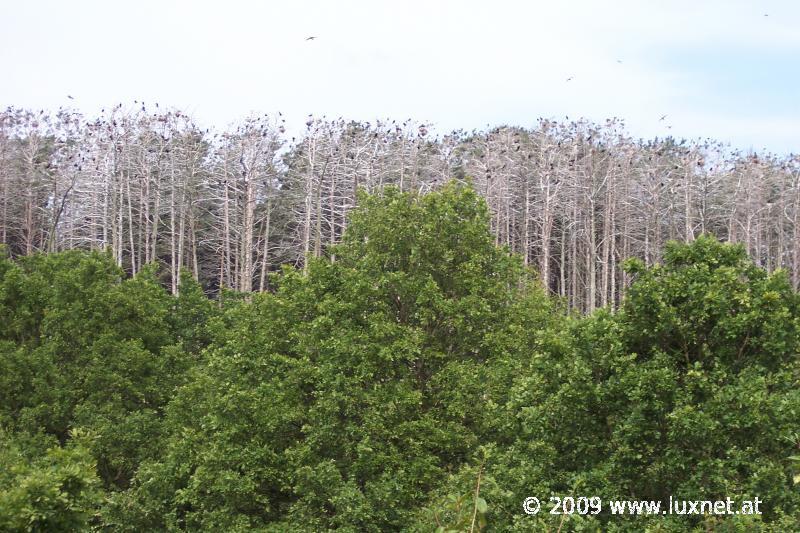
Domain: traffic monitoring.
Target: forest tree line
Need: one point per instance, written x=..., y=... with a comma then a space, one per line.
x=423, y=381
x=573, y=198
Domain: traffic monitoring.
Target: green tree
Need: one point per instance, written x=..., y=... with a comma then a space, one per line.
x=84, y=346
x=689, y=391
x=45, y=487
x=343, y=399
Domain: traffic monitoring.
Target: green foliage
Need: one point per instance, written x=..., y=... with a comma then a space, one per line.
x=189, y=316
x=344, y=398
x=709, y=304
x=83, y=346
x=415, y=378
x=690, y=391
x=44, y=487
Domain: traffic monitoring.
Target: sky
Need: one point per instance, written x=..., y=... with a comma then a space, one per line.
x=726, y=70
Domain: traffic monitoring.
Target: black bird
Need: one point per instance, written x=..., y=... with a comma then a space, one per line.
x=70, y=97
x=569, y=79
x=311, y=38
x=662, y=117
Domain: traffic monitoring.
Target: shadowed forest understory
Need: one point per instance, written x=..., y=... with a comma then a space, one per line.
x=573, y=198
x=413, y=376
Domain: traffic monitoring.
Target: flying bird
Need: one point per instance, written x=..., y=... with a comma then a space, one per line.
x=619, y=61
x=311, y=38
x=569, y=79
x=70, y=97
x=662, y=117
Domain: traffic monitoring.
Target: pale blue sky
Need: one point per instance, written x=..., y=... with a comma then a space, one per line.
x=717, y=69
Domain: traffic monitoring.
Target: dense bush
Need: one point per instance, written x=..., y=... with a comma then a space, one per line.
x=416, y=378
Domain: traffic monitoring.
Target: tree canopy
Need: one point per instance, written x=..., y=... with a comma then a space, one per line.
x=414, y=376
